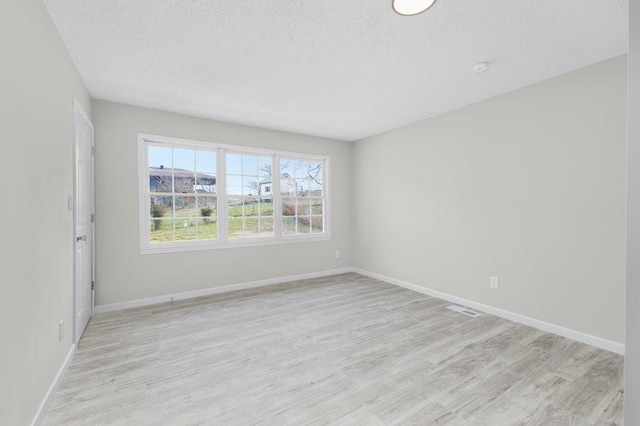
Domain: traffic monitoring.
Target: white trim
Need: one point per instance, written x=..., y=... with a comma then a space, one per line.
x=77, y=108
x=206, y=245
x=100, y=309
x=44, y=405
x=522, y=319
x=222, y=208
x=276, y=196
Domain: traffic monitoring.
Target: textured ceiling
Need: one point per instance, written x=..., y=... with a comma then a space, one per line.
x=339, y=69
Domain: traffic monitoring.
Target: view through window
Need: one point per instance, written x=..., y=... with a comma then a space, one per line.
x=189, y=203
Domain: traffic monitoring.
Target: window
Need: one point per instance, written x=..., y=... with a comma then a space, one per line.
x=249, y=213
x=199, y=195
x=301, y=187
x=182, y=194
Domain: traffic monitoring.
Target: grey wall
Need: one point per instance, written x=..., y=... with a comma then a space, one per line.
x=632, y=343
x=123, y=274
x=37, y=85
x=528, y=186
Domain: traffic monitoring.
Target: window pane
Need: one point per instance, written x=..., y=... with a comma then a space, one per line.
x=234, y=180
x=301, y=169
x=302, y=206
x=288, y=207
x=160, y=207
x=185, y=229
x=251, y=207
x=186, y=207
x=317, y=224
x=266, y=227
x=287, y=185
x=160, y=179
x=235, y=208
x=251, y=228
x=184, y=159
x=266, y=207
x=206, y=162
x=234, y=185
x=306, y=185
x=234, y=164
x=207, y=207
x=249, y=165
x=207, y=229
x=315, y=189
x=303, y=225
x=235, y=227
x=316, y=206
x=286, y=166
x=161, y=230
x=315, y=172
x=205, y=183
x=250, y=185
x=266, y=187
x=265, y=165
x=183, y=181
x=288, y=225
x=160, y=162
x=160, y=157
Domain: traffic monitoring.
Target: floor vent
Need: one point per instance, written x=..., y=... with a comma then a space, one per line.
x=468, y=312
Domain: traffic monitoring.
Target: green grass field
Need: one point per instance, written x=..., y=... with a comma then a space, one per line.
x=248, y=220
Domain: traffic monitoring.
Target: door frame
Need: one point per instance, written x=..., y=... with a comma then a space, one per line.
x=77, y=108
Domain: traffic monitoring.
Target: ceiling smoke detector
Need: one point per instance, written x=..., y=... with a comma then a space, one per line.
x=480, y=67
x=411, y=7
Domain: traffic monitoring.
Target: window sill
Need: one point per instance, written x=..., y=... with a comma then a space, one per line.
x=207, y=245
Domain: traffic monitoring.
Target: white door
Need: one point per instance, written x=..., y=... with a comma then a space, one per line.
x=83, y=294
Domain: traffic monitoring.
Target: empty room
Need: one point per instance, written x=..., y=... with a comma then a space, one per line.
x=400, y=212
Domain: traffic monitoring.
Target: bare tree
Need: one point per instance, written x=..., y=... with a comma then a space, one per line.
x=255, y=186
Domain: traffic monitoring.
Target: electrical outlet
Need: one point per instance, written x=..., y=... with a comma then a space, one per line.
x=61, y=330
x=337, y=254
x=493, y=282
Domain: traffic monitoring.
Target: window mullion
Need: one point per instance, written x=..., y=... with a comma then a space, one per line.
x=222, y=195
x=195, y=192
x=277, y=198
x=146, y=210
x=173, y=193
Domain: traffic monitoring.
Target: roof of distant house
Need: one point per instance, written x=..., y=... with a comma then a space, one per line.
x=181, y=173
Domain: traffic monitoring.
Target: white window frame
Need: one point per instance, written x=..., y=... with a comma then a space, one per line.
x=147, y=247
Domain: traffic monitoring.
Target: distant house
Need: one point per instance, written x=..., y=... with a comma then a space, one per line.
x=186, y=181
x=288, y=185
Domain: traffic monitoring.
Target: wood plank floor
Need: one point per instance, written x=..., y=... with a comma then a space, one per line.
x=341, y=350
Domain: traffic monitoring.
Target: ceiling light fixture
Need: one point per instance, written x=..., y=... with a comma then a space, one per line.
x=411, y=7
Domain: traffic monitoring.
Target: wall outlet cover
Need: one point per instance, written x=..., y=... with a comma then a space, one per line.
x=61, y=330
x=493, y=282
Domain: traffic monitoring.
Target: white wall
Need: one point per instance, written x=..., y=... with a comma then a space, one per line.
x=528, y=186
x=632, y=343
x=123, y=274
x=37, y=85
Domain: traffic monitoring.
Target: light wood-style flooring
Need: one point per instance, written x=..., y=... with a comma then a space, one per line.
x=347, y=350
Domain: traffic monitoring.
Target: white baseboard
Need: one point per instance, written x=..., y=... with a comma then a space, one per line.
x=214, y=290
x=44, y=405
x=522, y=319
